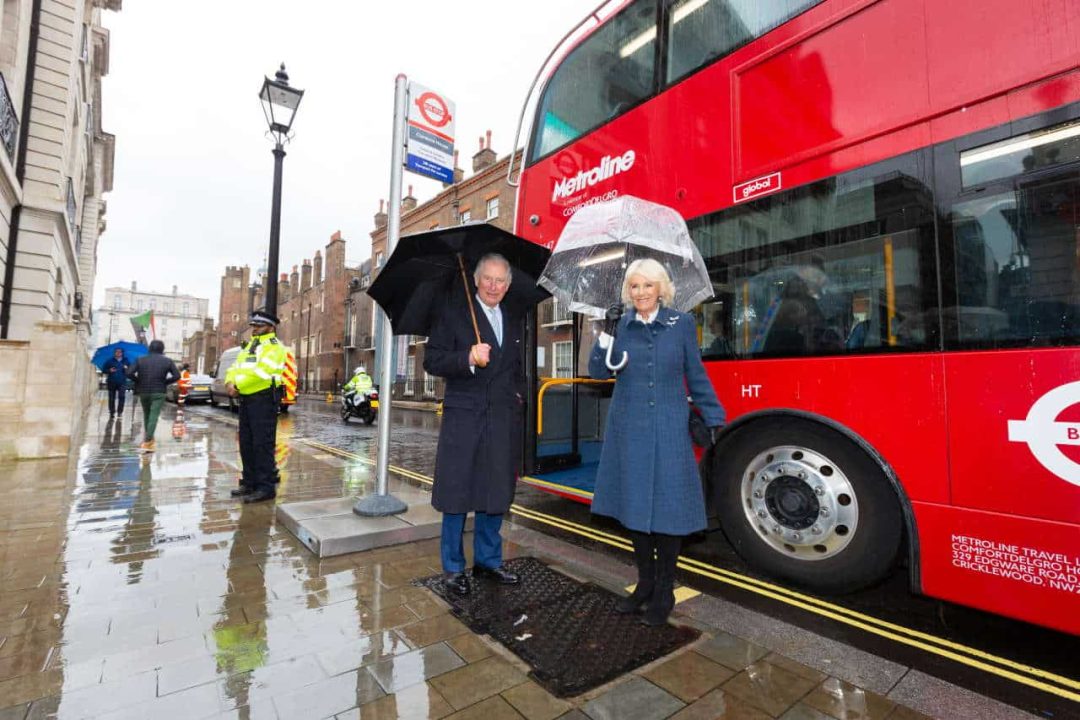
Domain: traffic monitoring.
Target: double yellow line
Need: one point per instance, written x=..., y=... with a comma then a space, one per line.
x=1027, y=675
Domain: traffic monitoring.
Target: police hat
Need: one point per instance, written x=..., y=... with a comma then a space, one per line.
x=263, y=317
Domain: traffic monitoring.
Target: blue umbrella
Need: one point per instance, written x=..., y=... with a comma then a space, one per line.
x=104, y=353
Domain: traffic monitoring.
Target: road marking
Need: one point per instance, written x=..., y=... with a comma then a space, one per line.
x=963, y=654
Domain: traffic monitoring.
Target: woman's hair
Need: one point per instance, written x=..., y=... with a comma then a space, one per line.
x=156, y=346
x=650, y=270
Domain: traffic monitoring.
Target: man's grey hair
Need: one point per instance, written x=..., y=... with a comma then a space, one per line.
x=493, y=257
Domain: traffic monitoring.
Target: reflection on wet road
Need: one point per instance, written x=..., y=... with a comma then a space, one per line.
x=141, y=589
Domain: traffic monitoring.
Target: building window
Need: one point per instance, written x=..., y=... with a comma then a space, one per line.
x=186, y=306
x=564, y=358
x=378, y=260
x=235, y=317
x=236, y=283
x=466, y=216
x=410, y=375
x=429, y=385
x=493, y=208
x=116, y=302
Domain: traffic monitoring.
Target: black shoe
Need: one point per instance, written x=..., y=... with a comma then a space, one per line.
x=241, y=491
x=636, y=600
x=457, y=583
x=500, y=574
x=259, y=495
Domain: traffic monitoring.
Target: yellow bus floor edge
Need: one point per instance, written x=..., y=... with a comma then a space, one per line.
x=957, y=652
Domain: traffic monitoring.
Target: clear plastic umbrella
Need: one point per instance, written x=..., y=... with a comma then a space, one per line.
x=587, y=267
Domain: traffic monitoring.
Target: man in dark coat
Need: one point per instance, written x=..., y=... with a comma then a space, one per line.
x=480, y=443
x=116, y=381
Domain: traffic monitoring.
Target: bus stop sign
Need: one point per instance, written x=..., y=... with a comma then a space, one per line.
x=429, y=140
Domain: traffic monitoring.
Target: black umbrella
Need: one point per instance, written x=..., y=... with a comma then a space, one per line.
x=425, y=268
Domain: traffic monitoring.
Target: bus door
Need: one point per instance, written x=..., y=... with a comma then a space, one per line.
x=566, y=412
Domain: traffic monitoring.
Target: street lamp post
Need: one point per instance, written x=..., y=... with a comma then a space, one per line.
x=280, y=101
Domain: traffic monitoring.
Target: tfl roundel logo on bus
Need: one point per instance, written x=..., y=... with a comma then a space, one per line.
x=1043, y=433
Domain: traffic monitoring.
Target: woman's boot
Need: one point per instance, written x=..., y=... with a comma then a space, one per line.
x=663, y=598
x=646, y=564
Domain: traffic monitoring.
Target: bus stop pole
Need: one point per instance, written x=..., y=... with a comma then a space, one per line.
x=382, y=502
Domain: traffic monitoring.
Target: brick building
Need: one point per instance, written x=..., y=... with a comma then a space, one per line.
x=234, y=307
x=311, y=307
x=201, y=348
x=483, y=197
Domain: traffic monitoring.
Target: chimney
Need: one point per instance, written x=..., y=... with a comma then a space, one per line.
x=173, y=289
x=459, y=174
x=132, y=286
x=318, y=267
x=408, y=202
x=486, y=157
x=380, y=217
x=336, y=237
x=283, y=289
x=305, y=276
x=294, y=280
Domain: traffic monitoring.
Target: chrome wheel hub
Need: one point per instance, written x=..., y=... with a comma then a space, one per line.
x=800, y=502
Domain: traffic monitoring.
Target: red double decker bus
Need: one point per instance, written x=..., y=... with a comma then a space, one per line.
x=886, y=194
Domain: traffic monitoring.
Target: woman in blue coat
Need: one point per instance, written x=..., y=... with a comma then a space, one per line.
x=648, y=478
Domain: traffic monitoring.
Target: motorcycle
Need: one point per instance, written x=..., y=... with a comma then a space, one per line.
x=361, y=405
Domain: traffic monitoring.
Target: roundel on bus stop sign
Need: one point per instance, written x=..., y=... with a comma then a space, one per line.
x=433, y=109
x=1044, y=434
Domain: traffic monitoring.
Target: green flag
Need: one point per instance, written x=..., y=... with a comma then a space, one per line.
x=140, y=323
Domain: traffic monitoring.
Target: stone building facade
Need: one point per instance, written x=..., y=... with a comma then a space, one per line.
x=56, y=164
x=176, y=316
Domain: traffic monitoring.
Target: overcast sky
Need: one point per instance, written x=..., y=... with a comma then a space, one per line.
x=193, y=172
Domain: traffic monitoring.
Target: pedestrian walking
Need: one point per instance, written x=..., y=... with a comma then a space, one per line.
x=479, y=447
x=152, y=373
x=256, y=379
x=115, y=371
x=648, y=478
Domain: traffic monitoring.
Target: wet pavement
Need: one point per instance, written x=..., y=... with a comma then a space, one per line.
x=135, y=587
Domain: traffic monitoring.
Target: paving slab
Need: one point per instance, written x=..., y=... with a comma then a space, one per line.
x=329, y=528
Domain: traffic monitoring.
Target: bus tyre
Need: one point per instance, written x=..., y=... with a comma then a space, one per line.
x=213, y=400
x=801, y=502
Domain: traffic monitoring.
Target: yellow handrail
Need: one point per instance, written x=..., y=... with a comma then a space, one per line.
x=559, y=381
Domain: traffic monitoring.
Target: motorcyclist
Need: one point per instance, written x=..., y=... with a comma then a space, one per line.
x=359, y=385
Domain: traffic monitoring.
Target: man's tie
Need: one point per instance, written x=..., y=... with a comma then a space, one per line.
x=496, y=323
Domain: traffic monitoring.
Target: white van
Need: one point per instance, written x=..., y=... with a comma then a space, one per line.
x=218, y=394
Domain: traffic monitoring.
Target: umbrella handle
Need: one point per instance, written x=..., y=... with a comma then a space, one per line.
x=615, y=367
x=468, y=300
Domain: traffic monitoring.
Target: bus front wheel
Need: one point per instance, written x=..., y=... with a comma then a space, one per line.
x=801, y=502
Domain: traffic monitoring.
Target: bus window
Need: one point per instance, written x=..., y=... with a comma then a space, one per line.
x=608, y=73
x=700, y=31
x=846, y=265
x=1017, y=269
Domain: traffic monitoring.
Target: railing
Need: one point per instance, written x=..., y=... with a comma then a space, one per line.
x=9, y=122
x=552, y=312
x=424, y=389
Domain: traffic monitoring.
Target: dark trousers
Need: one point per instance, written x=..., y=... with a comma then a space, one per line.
x=487, y=543
x=117, y=393
x=258, y=436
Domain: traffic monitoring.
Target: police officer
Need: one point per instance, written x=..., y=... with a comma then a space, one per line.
x=360, y=383
x=255, y=377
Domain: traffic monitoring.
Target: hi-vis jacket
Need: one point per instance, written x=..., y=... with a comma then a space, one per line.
x=259, y=365
x=361, y=382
